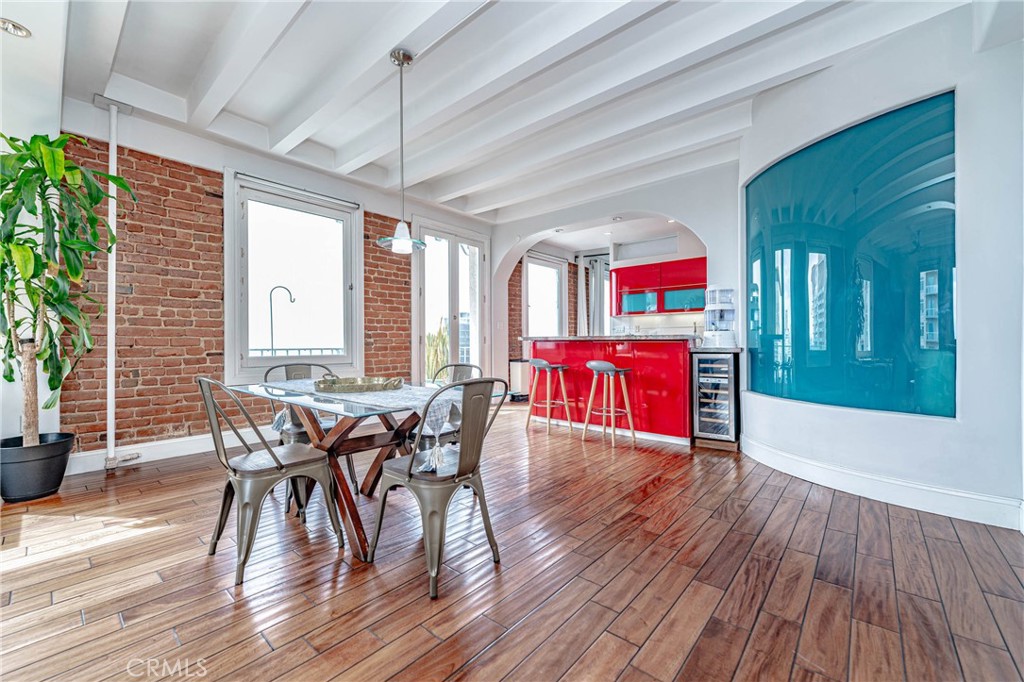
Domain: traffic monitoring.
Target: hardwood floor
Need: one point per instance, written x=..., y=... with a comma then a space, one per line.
x=629, y=564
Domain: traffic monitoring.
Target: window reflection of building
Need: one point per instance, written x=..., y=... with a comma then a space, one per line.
x=864, y=340
x=755, y=304
x=782, y=349
x=817, y=288
x=930, y=309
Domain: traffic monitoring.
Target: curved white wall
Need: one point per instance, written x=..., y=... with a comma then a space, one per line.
x=970, y=466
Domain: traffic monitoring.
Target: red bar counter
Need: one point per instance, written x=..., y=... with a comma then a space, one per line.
x=658, y=385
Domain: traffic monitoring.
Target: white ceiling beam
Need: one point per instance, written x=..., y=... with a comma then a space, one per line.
x=413, y=25
x=143, y=96
x=997, y=22
x=620, y=70
x=243, y=44
x=683, y=138
x=97, y=30
x=723, y=82
x=530, y=47
x=728, y=152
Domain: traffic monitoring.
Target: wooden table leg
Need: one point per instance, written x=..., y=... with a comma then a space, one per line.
x=349, y=513
x=401, y=432
x=350, y=518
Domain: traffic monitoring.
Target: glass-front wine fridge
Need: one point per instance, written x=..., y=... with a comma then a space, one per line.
x=715, y=406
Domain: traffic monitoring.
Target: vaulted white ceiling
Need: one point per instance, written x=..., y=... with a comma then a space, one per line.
x=513, y=109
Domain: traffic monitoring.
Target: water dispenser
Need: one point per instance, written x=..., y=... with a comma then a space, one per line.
x=720, y=318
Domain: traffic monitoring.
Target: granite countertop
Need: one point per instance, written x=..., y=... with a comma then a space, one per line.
x=622, y=337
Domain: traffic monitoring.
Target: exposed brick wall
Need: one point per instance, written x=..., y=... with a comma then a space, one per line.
x=387, y=314
x=515, y=313
x=170, y=314
x=170, y=311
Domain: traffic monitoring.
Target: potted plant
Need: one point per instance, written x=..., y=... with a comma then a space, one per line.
x=49, y=231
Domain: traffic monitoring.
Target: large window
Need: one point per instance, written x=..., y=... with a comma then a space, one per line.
x=860, y=282
x=294, y=280
x=545, y=294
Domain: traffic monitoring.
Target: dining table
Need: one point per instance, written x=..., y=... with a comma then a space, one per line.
x=399, y=412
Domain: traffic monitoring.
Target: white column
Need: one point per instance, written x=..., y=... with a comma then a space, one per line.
x=112, y=290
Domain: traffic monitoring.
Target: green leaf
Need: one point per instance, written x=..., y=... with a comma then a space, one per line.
x=24, y=260
x=118, y=182
x=52, y=401
x=10, y=164
x=53, y=162
x=73, y=176
x=92, y=188
x=73, y=263
x=8, y=370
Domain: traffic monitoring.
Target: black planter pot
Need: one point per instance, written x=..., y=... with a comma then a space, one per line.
x=28, y=473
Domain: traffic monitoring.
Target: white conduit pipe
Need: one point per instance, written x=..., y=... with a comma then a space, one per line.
x=112, y=292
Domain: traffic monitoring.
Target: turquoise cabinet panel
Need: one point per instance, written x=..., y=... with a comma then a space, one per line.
x=684, y=299
x=851, y=266
x=643, y=302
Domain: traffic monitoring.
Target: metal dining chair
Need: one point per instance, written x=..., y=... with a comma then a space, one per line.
x=251, y=476
x=295, y=432
x=434, y=490
x=456, y=371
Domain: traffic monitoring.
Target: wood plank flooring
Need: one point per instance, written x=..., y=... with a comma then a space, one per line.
x=645, y=563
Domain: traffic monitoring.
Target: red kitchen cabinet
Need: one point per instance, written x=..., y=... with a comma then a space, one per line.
x=655, y=280
x=689, y=272
x=639, y=277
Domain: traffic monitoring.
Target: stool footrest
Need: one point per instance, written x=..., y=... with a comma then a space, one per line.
x=606, y=411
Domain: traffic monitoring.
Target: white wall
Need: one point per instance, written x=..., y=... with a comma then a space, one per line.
x=970, y=466
x=31, y=76
x=705, y=202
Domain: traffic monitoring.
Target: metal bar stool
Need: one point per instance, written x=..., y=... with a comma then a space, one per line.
x=545, y=366
x=608, y=372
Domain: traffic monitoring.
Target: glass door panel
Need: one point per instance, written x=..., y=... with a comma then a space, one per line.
x=436, y=304
x=713, y=383
x=468, y=343
x=452, y=302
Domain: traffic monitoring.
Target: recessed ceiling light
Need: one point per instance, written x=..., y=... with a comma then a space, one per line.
x=14, y=28
x=616, y=218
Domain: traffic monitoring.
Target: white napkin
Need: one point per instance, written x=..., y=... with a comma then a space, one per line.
x=434, y=461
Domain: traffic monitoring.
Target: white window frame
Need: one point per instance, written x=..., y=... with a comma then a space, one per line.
x=563, y=279
x=239, y=367
x=483, y=242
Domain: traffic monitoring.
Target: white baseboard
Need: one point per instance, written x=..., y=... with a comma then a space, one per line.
x=92, y=460
x=622, y=433
x=1006, y=512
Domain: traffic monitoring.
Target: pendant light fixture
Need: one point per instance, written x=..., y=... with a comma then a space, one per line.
x=402, y=242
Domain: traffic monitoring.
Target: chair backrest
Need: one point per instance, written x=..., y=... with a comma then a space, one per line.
x=477, y=418
x=458, y=371
x=294, y=370
x=215, y=413
x=289, y=371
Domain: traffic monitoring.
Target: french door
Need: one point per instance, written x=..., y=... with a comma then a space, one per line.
x=450, y=286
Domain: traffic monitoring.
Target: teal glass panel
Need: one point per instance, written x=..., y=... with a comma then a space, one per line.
x=643, y=302
x=851, y=267
x=684, y=299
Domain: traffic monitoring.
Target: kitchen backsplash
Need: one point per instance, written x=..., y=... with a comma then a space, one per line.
x=659, y=325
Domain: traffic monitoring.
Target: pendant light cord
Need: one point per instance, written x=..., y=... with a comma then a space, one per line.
x=401, y=132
